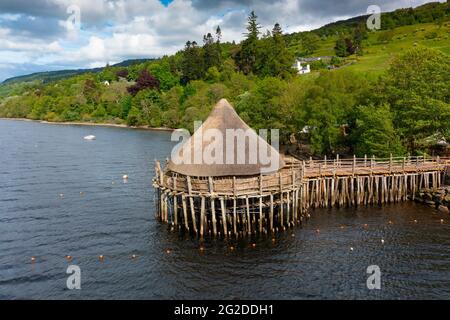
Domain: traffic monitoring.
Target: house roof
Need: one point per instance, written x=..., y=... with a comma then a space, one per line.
x=222, y=118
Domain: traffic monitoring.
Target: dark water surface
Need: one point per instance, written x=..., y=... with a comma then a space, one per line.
x=41, y=162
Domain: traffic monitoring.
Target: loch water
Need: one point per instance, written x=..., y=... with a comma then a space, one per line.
x=62, y=195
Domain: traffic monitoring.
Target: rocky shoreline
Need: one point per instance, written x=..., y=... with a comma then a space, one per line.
x=438, y=198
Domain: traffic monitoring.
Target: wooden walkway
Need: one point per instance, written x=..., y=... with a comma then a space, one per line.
x=264, y=204
x=368, y=166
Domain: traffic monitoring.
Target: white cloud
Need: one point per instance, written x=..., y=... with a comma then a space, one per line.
x=115, y=30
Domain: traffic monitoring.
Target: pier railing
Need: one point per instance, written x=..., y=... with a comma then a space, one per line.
x=366, y=166
x=296, y=172
x=262, y=204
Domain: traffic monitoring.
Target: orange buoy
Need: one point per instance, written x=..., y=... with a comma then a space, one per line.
x=33, y=259
x=254, y=245
x=133, y=256
x=415, y=221
x=69, y=258
x=365, y=225
x=101, y=257
x=442, y=220
x=168, y=251
x=317, y=230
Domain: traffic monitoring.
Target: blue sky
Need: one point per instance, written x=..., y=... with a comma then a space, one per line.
x=44, y=35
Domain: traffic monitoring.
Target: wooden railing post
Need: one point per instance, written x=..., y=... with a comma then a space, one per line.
x=365, y=160
x=354, y=165
x=303, y=169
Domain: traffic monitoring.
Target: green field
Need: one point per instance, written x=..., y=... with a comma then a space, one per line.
x=381, y=46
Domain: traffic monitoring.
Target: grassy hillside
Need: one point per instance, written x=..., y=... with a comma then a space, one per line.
x=49, y=76
x=346, y=107
x=379, y=52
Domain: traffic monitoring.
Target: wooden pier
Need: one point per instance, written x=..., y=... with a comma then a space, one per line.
x=244, y=206
x=222, y=200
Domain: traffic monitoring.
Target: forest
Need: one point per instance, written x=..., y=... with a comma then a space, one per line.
x=403, y=108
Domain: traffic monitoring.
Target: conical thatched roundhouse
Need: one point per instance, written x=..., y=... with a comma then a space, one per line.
x=226, y=180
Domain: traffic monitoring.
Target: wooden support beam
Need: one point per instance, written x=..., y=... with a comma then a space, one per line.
x=224, y=217
x=202, y=216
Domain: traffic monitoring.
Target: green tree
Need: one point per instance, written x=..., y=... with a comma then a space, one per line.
x=340, y=47
x=247, y=57
x=374, y=133
x=309, y=43
x=274, y=59
x=416, y=87
x=192, y=64
x=161, y=71
x=133, y=117
x=359, y=34
x=211, y=52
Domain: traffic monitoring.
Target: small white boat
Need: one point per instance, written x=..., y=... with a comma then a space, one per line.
x=89, y=137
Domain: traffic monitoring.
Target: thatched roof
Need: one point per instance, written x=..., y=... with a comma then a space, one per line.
x=224, y=117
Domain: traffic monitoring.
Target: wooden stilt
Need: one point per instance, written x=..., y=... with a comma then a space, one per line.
x=213, y=217
x=249, y=230
x=224, y=217
x=185, y=214
x=234, y=218
x=202, y=216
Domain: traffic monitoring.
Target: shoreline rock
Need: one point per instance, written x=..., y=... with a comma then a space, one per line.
x=438, y=198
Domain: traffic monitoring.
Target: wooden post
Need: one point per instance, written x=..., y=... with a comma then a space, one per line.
x=260, y=215
x=202, y=216
x=288, y=210
x=213, y=213
x=353, y=165
x=260, y=203
x=191, y=202
x=248, y=216
x=234, y=207
x=234, y=217
x=390, y=163
x=175, y=204
x=224, y=217
x=185, y=214
x=332, y=190
x=175, y=209
x=271, y=213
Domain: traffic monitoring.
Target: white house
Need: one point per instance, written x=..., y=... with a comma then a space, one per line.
x=300, y=68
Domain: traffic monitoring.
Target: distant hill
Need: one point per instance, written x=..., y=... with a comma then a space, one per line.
x=400, y=20
x=48, y=76
x=426, y=13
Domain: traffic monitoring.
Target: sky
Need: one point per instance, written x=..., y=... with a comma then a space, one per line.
x=47, y=35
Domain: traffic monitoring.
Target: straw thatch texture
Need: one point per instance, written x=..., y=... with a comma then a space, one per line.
x=246, y=157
